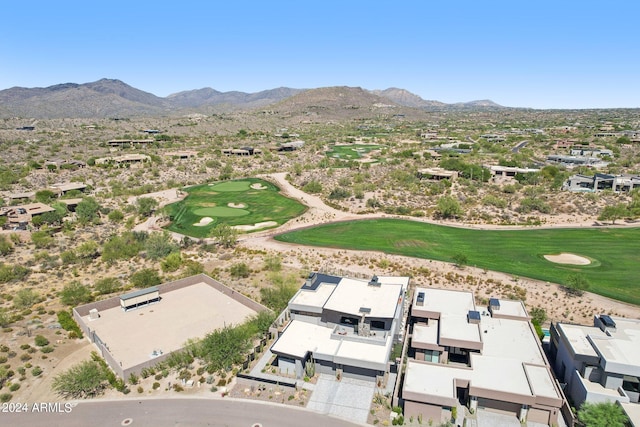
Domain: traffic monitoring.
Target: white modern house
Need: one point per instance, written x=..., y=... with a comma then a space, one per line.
x=344, y=326
x=486, y=358
x=598, y=363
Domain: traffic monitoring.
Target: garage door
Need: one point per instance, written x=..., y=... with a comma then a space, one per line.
x=499, y=406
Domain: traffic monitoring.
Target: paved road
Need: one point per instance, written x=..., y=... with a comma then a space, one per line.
x=519, y=146
x=175, y=412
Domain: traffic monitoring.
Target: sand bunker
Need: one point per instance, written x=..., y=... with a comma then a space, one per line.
x=237, y=205
x=204, y=221
x=566, y=258
x=258, y=186
x=256, y=226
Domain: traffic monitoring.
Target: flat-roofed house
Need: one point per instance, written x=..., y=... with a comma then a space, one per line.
x=345, y=326
x=488, y=359
x=598, y=363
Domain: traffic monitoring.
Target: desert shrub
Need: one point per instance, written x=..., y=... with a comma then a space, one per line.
x=107, y=285
x=239, y=270
x=312, y=187
x=41, y=341
x=75, y=293
x=145, y=278
x=339, y=193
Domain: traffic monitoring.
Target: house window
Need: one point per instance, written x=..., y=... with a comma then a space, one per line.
x=377, y=324
x=630, y=383
x=349, y=320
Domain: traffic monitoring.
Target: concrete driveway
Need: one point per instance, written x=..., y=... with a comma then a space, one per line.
x=349, y=398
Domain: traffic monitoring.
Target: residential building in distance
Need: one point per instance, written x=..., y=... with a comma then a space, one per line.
x=129, y=142
x=601, y=181
x=244, y=151
x=125, y=160
x=573, y=161
x=436, y=174
x=20, y=216
x=473, y=359
x=291, y=146
x=598, y=363
x=345, y=326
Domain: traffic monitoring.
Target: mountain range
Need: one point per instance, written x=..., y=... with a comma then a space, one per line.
x=114, y=98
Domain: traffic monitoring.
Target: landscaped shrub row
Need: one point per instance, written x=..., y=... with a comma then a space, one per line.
x=68, y=324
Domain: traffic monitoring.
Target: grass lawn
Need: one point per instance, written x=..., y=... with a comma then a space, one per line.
x=217, y=201
x=351, y=152
x=614, y=252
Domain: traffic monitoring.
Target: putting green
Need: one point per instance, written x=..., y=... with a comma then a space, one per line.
x=221, y=211
x=235, y=203
x=231, y=186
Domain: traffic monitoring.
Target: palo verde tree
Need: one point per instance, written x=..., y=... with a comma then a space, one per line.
x=225, y=235
x=84, y=380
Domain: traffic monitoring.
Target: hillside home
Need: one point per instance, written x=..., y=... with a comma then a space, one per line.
x=601, y=181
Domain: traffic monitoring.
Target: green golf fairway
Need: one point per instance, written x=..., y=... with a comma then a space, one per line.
x=614, y=252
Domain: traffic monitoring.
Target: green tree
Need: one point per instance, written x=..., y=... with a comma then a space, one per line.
x=191, y=267
x=45, y=196
x=5, y=318
x=623, y=140
x=145, y=206
x=145, y=278
x=339, y=193
x=604, y=414
x=68, y=257
x=87, y=210
x=614, y=212
x=312, y=187
x=538, y=315
x=124, y=246
x=115, y=216
x=172, y=262
x=84, y=380
x=108, y=285
x=273, y=262
x=460, y=259
x=26, y=298
x=576, y=284
x=277, y=296
x=159, y=245
x=225, y=235
x=41, y=239
x=10, y=272
x=87, y=251
x=448, y=207
x=75, y=293
x=5, y=246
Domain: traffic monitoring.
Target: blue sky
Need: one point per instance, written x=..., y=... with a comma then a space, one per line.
x=542, y=54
